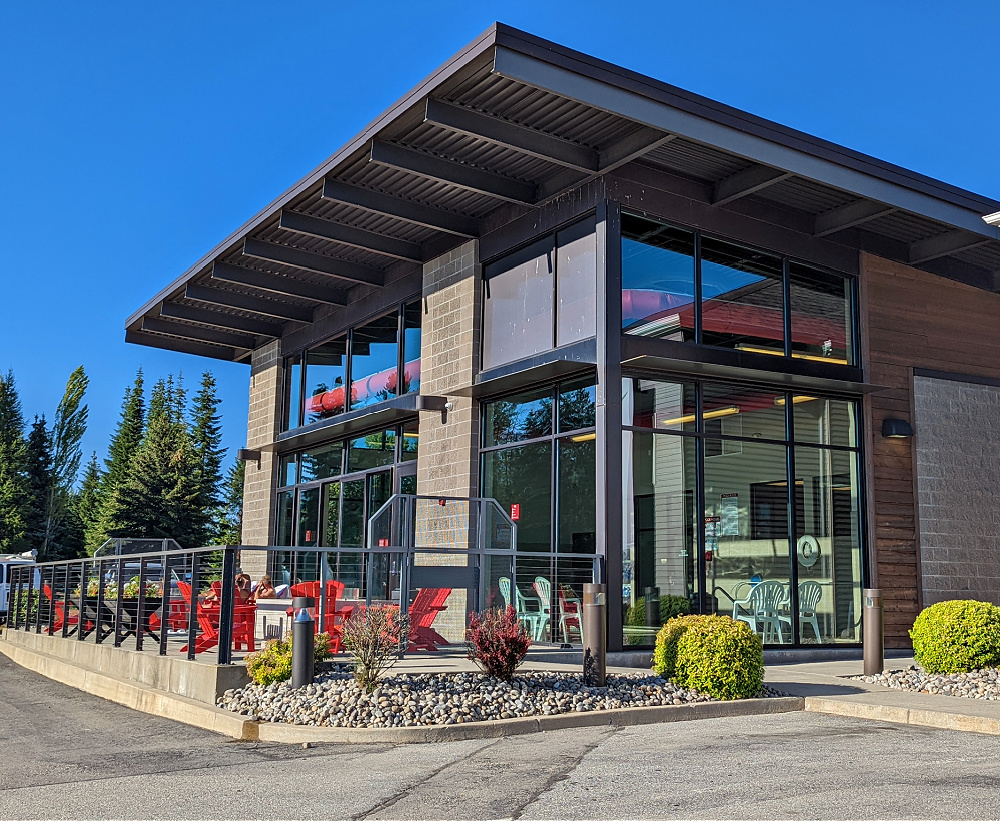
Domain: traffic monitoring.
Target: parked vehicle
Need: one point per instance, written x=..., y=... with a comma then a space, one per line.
x=8, y=562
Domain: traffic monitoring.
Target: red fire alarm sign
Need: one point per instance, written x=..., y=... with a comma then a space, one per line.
x=383, y=542
x=515, y=512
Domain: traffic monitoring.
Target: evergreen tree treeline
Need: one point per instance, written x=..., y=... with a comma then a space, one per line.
x=162, y=477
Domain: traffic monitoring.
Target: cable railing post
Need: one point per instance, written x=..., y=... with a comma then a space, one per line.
x=99, y=608
x=140, y=605
x=14, y=598
x=165, y=605
x=84, y=579
x=120, y=586
x=193, y=608
x=65, y=599
x=227, y=602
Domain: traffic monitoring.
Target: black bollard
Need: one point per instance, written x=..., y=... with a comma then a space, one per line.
x=874, y=648
x=595, y=634
x=303, y=642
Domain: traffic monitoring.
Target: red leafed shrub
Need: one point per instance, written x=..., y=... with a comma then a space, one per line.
x=497, y=641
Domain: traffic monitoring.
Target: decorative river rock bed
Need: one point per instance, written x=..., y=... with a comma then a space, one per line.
x=983, y=684
x=335, y=700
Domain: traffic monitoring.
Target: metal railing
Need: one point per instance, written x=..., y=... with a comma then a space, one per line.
x=441, y=557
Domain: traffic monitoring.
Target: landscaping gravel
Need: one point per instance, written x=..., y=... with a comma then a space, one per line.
x=335, y=700
x=984, y=684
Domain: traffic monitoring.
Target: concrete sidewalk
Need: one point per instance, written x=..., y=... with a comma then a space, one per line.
x=827, y=688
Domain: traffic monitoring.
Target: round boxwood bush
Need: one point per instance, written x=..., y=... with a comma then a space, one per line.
x=711, y=654
x=665, y=653
x=957, y=636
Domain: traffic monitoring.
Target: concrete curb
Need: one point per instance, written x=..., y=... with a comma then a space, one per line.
x=938, y=719
x=625, y=717
x=136, y=696
x=187, y=711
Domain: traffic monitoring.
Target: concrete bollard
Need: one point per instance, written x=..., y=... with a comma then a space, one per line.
x=303, y=643
x=874, y=649
x=595, y=634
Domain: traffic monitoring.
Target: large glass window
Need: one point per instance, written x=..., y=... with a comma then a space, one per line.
x=776, y=525
x=374, y=361
x=326, y=373
x=742, y=304
x=821, y=310
x=539, y=461
x=541, y=296
x=658, y=274
x=576, y=283
x=370, y=357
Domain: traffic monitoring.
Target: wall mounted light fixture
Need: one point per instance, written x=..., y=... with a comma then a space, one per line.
x=896, y=429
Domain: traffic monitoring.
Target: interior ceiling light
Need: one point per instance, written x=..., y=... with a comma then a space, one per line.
x=796, y=400
x=832, y=360
x=584, y=437
x=691, y=417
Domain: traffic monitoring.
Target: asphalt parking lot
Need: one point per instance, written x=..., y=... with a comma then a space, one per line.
x=69, y=755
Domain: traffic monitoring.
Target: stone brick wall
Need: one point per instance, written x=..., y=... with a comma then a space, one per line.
x=448, y=461
x=262, y=429
x=957, y=440
x=449, y=353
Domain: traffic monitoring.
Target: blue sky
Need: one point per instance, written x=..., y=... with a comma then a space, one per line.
x=135, y=136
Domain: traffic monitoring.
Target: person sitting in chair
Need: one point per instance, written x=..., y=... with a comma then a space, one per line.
x=265, y=589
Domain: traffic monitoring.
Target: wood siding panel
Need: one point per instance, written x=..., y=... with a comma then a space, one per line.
x=915, y=320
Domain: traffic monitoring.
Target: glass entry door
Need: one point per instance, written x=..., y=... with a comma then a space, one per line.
x=347, y=506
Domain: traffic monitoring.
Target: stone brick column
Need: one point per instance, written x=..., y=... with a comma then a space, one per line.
x=262, y=428
x=449, y=352
x=448, y=460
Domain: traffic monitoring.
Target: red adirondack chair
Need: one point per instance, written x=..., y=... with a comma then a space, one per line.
x=429, y=602
x=60, y=608
x=335, y=616
x=570, y=615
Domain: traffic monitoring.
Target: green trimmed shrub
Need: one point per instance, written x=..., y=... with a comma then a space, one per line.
x=665, y=653
x=274, y=662
x=957, y=636
x=721, y=658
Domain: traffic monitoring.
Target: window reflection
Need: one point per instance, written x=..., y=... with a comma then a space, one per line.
x=325, y=375
x=742, y=298
x=821, y=315
x=411, y=348
x=657, y=280
x=374, y=366
x=520, y=417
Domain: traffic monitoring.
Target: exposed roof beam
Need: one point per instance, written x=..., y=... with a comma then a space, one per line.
x=349, y=235
x=225, y=272
x=196, y=332
x=508, y=134
x=941, y=245
x=744, y=183
x=453, y=173
x=311, y=261
x=251, y=304
x=217, y=319
x=847, y=216
x=632, y=147
x=184, y=346
x=414, y=212
x=620, y=153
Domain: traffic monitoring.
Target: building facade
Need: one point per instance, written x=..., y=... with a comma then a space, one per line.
x=753, y=371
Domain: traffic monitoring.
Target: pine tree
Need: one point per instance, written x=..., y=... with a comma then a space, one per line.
x=13, y=482
x=206, y=440
x=87, y=502
x=38, y=471
x=229, y=514
x=125, y=443
x=159, y=498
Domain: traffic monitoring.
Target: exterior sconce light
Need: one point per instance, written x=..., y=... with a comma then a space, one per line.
x=246, y=455
x=896, y=429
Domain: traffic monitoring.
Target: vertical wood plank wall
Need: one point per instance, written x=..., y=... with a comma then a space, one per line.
x=915, y=320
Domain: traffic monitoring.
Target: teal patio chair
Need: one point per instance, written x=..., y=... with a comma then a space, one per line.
x=531, y=619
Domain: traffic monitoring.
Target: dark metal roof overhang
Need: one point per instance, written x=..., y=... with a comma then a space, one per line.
x=509, y=124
